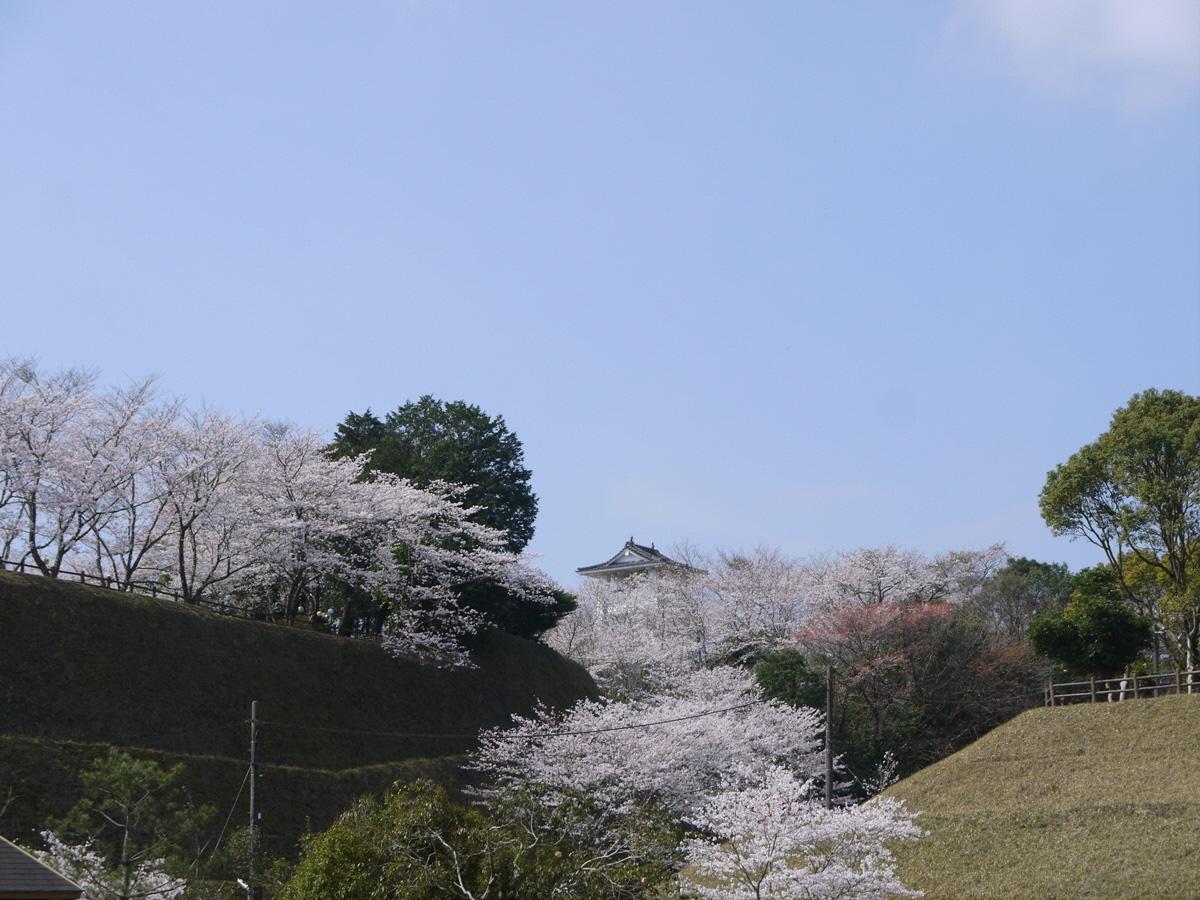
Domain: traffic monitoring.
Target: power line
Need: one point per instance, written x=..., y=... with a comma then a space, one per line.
x=549, y=734
x=238, y=797
x=472, y=735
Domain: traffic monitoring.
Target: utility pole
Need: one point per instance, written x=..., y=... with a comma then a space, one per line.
x=254, y=890
x=829, y=737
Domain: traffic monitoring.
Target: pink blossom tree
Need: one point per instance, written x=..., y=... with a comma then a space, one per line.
x=638, y=633
x=717, y=730
x=210, y=463
x=86, y=866
x=773, y=839
x=135, y=437
x=124, y=488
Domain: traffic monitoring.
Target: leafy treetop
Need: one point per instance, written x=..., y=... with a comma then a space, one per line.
x=1098, y=633
x=1134, y=492
x=430, y=440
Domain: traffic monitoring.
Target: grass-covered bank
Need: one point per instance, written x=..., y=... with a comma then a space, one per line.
x=82, y=667
x=43, y=776
x=81, y=663
x=1095, y=800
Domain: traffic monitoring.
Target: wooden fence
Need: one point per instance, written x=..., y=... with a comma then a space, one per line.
x=162, y=592
x=1097, y=690
x=142, y=588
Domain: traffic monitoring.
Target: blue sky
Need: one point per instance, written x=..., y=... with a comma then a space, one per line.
x=814, y=276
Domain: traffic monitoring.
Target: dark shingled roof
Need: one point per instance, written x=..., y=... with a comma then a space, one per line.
x=24, y=878
x=634, y=556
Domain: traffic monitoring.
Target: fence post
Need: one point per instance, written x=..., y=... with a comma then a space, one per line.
x=1093, y=682
x=1178, y=683
x=1051, y=691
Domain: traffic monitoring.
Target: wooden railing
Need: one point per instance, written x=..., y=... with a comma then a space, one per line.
x=1097, y=690
x=141, y=588
x=162, y=592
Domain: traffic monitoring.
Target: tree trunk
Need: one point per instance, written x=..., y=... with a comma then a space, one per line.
x=293, y=601
x=126, y=866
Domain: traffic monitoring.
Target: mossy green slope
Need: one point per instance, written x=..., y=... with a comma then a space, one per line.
x=43, y=778
x=82, y=667
x=1097, y=800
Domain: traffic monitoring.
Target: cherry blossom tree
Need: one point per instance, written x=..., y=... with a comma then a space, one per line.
x=137, y=517
x=16, y=376
x=209, y=462
x=755, y=601
x=53, y=462
x=432, y=548
x=638, y=633
x=717, y=731
x=889, y=574
x=919, y=679
x=123, y=487
x=773, y=839
x=318, y=523
x=86, y=866
x=304, y=506
x=735, y=770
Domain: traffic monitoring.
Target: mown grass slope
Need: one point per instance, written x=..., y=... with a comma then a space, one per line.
x=82, y=667
x=1097, y=800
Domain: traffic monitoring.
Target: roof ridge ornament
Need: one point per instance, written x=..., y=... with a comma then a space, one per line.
x=632, y=559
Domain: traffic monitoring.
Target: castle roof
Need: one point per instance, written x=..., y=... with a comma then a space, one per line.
x=631, y=559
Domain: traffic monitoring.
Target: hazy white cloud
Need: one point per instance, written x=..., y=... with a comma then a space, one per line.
x=1138, y=53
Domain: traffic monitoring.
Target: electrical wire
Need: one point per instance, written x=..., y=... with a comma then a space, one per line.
x=238, y=797
x=550, y=734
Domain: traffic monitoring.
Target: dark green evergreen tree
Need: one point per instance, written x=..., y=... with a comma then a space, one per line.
x=1010, y=598
x=1098, y=633
x=136, y=812
x=433, y=440
x=430, y=440
x=416, y=843
x=784, y=675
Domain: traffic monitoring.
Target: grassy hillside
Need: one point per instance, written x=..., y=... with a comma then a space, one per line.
x=82, y=667
x=43, y=777
x=1095, y=800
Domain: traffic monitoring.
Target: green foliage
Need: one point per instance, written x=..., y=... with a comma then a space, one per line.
x=416, y=843
x=136, y=811
x=174, y=683
x=1098, y=633
x=784, y=675
x=433, y=440
x=513, y=614
x=920, y=680
x=1009, y=599
x=167, y=676
x=44, y=778
x=638, y=852
x=241, y=850
x=412, y=844
x=1133, y=492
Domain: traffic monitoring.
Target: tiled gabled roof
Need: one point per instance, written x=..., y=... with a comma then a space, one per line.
x=633, y=556
x=22, y=876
